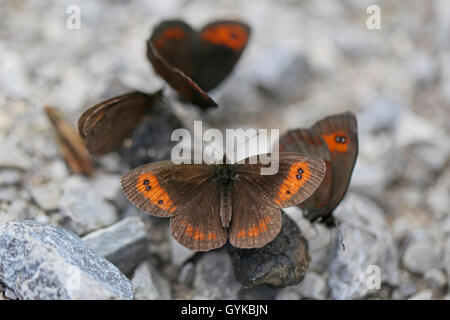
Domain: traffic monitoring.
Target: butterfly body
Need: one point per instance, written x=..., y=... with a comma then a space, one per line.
x=209, y=204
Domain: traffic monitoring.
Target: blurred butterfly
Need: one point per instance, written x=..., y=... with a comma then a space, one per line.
x=105, y=125
x=335, y=140
x=70, y=144
x=194, y=62
x=209, y=204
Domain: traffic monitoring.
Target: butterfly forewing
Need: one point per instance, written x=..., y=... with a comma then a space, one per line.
x=163, y=188
x=297, y=178
x=105, y=125
x=219, y=47
x=173, y=40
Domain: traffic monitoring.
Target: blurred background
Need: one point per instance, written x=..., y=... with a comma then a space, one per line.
x=305, y=60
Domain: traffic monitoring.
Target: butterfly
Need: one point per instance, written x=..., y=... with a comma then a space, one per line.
x=70, y=144
x=194, y=62
x=105, y=125
x=209, y=204
x=335, y=140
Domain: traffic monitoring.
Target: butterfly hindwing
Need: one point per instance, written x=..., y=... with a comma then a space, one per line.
x=254, y=222
x=105, y=125
x=199, y=227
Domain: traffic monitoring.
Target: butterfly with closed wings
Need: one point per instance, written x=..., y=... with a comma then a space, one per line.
x=335, y=140
x=194, y=62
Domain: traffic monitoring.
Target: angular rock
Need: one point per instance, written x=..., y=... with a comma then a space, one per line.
x=214, y=277
x=43, y=262
x=282, y=262
x=85, y=209
x=149, y=284
x=367, y=242
x=124, y=244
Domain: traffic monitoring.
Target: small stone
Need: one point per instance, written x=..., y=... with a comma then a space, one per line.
x=85, y=209
x=44, y=262
x=436, y=278
x=420, y=257
x=10, y=294
x=281, y=262
x=422, y=295
x=149, y=284
x=125, y=243
x=214, y=277
x=47, y=195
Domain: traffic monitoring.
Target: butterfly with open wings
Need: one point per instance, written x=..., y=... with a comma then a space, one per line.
x=209, y=204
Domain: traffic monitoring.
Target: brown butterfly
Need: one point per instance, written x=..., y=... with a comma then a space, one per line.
x=335, y=140
x=70, y=144
x=194, y=62
x=105, y=125
x=208, y=204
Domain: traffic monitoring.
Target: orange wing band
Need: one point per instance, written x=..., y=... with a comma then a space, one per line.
x=298, y=174
x=148, y=185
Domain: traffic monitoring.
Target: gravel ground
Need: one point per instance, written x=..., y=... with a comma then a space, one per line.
x=305, y=60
